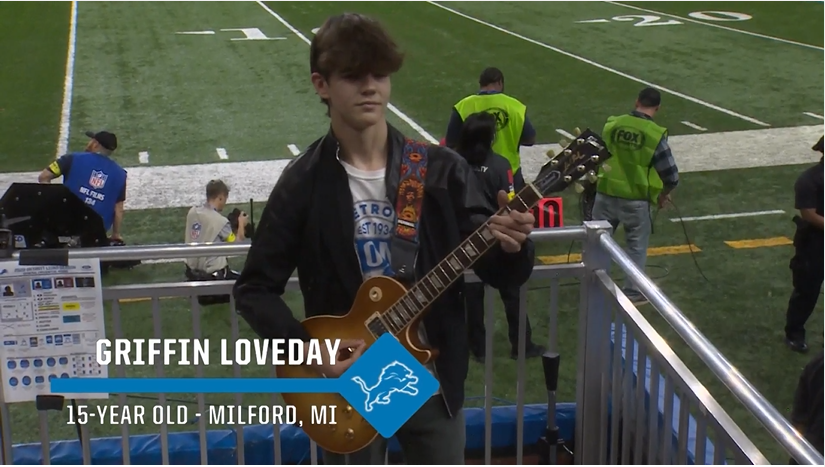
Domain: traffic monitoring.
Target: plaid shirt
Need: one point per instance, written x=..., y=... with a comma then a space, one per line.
x=663, y=160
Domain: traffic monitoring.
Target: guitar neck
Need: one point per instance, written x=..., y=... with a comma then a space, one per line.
x=419, y=297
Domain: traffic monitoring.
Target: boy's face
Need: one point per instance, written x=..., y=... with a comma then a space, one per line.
x=359, y=102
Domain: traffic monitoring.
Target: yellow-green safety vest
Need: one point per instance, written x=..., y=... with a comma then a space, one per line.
x=632, y=141
x=510, y=116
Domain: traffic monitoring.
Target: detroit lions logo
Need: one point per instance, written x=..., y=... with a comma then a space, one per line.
x=395, y=377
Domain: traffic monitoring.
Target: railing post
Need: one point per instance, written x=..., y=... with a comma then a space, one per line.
x=592, y=345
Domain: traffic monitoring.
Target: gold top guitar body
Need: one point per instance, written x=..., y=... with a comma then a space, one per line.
x=384, y=305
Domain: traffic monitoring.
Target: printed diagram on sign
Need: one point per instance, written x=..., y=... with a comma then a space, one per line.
x=51, y=318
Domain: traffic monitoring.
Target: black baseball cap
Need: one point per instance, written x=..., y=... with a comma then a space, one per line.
x=106, y=139
x=818, y=145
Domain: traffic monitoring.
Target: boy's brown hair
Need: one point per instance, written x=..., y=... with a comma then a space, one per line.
x=353, y=45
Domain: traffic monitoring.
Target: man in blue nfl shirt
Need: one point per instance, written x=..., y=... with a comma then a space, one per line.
x=95, y=178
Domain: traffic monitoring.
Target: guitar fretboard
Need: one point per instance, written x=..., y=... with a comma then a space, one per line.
x=439, y=279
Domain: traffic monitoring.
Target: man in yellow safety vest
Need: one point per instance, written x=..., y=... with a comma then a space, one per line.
x=513, y=128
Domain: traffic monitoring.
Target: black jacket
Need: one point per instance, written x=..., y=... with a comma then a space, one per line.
x=495, y=174
x=308, y=224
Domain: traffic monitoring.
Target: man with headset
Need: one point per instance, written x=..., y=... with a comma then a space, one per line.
x=643, y=172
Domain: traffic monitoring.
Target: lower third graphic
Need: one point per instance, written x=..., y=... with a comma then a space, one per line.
x=386, y=385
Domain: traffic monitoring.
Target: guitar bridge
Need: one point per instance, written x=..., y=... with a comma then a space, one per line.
x=376, y=326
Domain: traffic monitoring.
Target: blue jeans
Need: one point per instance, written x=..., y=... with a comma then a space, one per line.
x=634, y=215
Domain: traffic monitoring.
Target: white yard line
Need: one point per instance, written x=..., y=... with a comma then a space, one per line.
x=729, y=216
x=68, y=84
x=196, y=33
x=719, y=151
x=719, y=26
x=143, y=157
x=163, y=261
x=565, y=134
x=603, y=67
x=415, y=126
x=222, y=153
x=293, y=149
x=153, y=187
x=694, y=126
x=811, y=114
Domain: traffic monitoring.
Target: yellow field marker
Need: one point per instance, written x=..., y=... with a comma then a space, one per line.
x=759, y=242
x=657, y=251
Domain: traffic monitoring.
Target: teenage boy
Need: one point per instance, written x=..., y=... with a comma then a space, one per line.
x=332, y=216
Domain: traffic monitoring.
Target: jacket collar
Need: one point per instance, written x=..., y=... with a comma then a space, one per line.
x=395, y=146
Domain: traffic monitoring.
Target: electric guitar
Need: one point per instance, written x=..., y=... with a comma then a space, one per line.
x=383, y=305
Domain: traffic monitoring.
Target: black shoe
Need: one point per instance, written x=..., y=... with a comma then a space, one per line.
x=532, y=351
x=797, y=345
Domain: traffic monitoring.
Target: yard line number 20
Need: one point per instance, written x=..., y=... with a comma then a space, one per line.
x=652, y=20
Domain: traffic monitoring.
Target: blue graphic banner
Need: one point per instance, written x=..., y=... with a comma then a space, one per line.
x=196, y=385
x=386, y=385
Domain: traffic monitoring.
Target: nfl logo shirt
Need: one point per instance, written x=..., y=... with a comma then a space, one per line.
x=98, y=179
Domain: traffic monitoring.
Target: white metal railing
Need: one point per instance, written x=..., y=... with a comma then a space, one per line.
x=623, y=366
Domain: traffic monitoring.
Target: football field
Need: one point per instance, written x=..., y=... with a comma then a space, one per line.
x=197, y=90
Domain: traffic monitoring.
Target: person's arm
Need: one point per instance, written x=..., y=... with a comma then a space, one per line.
x=528, y=133
x=453, y=129
x=57, y=168
x=271, y=260
x=497, y=268
x=805, y=193
x=665, y=165
x=119, y=208
x=228, y=235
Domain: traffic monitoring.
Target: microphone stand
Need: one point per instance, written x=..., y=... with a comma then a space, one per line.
x=548, y=444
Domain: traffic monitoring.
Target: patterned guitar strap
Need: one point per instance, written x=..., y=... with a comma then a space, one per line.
x=404, y=245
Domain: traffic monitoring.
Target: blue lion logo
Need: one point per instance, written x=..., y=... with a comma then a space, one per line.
x=395, y=377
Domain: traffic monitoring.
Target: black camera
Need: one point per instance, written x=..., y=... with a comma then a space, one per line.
x=249, y=229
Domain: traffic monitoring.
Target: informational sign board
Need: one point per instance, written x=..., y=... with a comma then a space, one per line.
x=51, y=318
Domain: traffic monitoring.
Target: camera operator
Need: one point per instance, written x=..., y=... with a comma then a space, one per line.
x=807, y=262
x=206, y=224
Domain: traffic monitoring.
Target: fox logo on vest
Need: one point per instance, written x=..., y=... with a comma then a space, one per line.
x=628, y=137
x=387, y=385
x=98, y=179
x=502, y=117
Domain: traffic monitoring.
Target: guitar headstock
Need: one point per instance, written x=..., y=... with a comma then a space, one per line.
x=578, y=159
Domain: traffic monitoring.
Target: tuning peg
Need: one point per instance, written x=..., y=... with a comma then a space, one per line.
x=577, y=131
x=578, y=187
x=568, y=178
x=592, y=177
x=581, y=168
x=563, y=143
x=606, y=168
x=551, y=154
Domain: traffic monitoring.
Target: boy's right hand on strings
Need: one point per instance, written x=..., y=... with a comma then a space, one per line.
x=348, y=352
